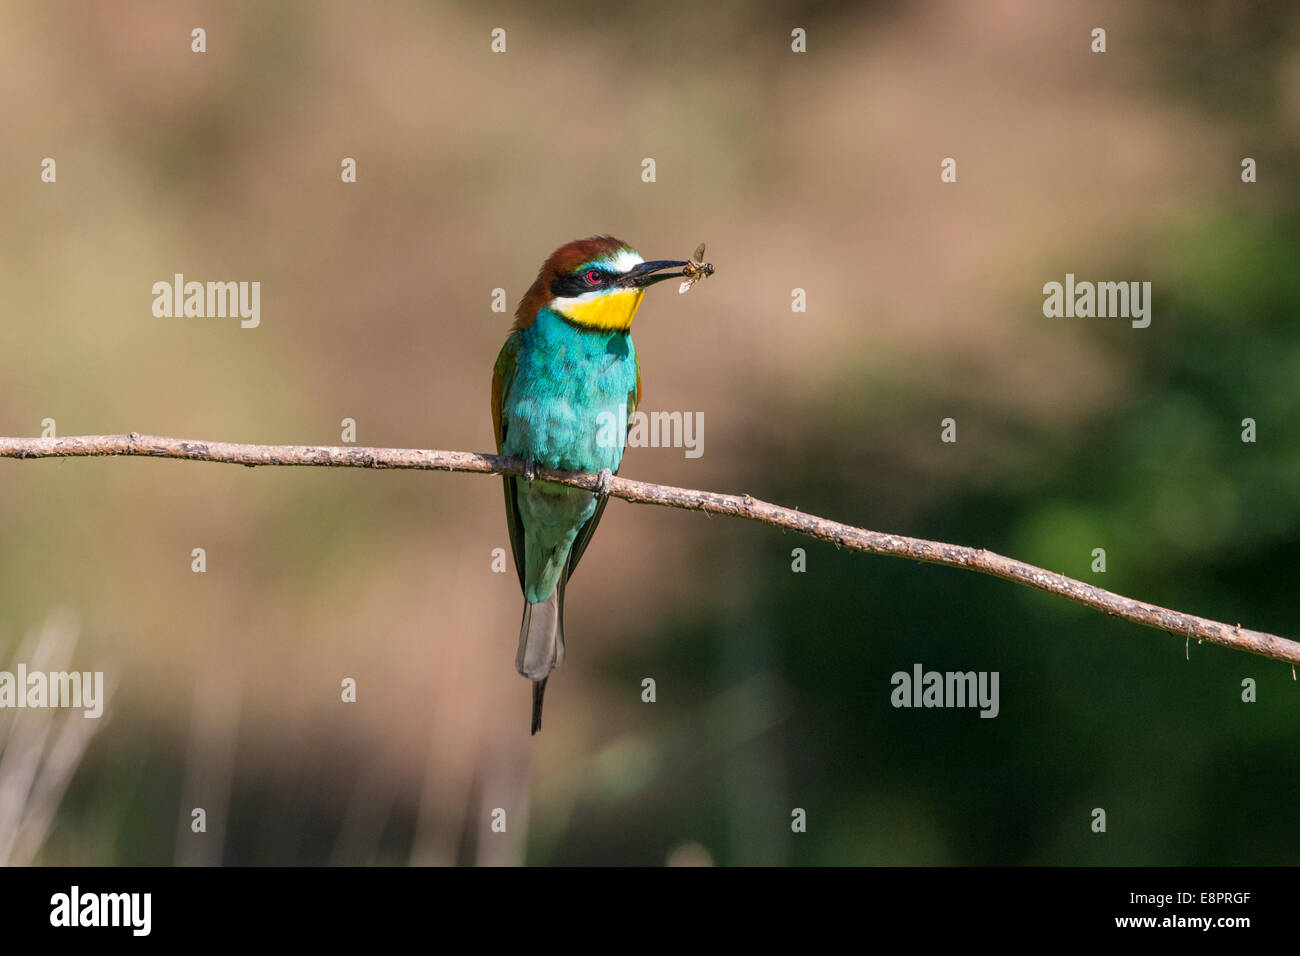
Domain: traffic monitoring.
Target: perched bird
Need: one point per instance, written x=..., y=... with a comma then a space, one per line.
x=563, y=392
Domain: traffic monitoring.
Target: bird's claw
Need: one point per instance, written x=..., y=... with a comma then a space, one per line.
x=530, y=471
x=604, y=481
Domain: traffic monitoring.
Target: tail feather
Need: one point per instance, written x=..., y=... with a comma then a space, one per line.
x=541, y=638
x=539, y=691
x=541, y=645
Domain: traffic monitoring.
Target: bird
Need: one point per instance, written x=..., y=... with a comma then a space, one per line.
x=564, y=388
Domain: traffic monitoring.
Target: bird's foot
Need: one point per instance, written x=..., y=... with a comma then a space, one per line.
x=530, y=471
x=604, y=481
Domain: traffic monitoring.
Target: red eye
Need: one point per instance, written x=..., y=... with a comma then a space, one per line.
x=593, y=277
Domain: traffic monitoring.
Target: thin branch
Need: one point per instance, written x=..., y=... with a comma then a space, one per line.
x=640, y=492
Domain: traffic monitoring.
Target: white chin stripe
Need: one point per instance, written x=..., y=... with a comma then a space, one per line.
x=573, y=303
x=565, y=304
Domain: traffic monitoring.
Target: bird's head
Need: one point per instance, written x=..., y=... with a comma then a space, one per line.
x=595, y=283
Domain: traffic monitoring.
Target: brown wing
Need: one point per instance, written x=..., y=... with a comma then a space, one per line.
x=503, y=376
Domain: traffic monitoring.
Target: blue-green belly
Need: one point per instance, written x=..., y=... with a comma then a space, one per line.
x=566, y=408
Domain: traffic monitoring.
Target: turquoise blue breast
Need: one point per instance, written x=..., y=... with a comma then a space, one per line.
x=567, y=406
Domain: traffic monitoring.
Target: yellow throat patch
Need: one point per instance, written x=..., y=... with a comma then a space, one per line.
x=609, y=311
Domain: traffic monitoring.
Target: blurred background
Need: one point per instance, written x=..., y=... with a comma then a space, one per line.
x=817, y=171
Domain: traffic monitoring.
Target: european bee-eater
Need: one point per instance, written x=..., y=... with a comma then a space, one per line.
x=563, y=392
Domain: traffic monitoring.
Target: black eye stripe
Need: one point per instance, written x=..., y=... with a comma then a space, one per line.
x=573, y=285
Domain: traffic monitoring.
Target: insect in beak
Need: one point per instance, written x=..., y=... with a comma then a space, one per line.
x=695, y=270
x=648, y=273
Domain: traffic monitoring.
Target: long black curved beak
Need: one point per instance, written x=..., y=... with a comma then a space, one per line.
x=648, y=273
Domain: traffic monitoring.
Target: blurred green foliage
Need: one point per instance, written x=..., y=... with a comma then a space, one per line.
x=1095, y=712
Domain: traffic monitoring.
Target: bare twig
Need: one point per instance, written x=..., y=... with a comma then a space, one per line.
x=639, y=492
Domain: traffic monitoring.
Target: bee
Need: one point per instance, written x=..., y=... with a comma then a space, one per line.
x=695, y=270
